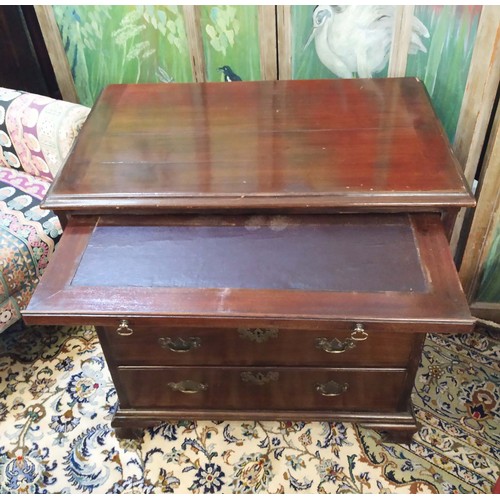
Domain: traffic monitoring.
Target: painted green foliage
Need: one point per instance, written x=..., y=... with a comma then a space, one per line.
x=129, y=44
x=489, y=289
x=230, y=37
x=123, y=44
x=445, y=66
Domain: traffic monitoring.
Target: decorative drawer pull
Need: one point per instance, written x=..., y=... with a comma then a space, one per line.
x=188, y=386
x=123, y=329
x=260, y=378
x=258, y=335
x=180, y=344
x=359, y=334
x=332, y=388
x=335, y=346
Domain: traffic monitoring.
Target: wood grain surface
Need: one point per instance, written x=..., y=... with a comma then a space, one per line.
x=282, y=146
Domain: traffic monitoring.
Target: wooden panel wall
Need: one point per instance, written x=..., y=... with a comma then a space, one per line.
x=192, y=21
x=484, y=226
x=268, y=42
x=401, y=40
x=50, y=33
x=477, y=105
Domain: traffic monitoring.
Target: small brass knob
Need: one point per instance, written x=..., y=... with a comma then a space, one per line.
x=359, y=334
x=123, y=329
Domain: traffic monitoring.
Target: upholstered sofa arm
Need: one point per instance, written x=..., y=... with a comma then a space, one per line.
x=37, y=132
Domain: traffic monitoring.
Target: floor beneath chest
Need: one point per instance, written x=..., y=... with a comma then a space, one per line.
x=57, y=399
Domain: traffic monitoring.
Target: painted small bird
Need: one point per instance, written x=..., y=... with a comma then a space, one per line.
x=356, y=39
x=229, y=74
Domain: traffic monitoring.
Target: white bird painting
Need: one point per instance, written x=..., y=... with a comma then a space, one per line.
x=356, y=39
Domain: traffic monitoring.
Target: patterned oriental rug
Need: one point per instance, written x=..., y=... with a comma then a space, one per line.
x=57, y=399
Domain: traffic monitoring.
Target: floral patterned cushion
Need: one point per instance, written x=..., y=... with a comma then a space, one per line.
x=36, y=134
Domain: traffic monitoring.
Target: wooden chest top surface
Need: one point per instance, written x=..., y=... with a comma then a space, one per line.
x=285, y=146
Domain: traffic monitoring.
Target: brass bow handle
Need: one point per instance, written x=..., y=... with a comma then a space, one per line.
x=123, y=329
x=180, y=344
x=332, y=388
x=188, y=386
x=335, y=346
x=259, y=378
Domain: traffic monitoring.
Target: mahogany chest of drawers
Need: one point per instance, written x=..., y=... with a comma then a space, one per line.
x=259, y=250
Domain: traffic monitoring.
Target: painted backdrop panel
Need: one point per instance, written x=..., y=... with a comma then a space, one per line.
x=445, y=66
x=346, y=41
x=305, y=61
x=230, y=35
x=123, y=44
x=489, y=288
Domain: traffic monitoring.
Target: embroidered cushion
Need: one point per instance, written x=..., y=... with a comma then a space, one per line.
x=36, y=134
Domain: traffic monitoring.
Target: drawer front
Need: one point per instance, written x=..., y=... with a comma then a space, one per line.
x=258, y=346
x=266, y=388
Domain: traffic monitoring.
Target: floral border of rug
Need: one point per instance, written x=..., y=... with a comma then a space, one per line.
x=57, y=400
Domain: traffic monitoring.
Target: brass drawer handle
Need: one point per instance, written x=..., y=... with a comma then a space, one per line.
x=258, y=335
x=180, y=344
x=260, y=378
x=334, y=346
x=359, y=334
x=332, y=388
x=123, y=329
x=188, y=386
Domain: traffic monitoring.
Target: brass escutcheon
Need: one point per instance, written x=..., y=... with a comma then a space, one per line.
x=123, y=329
x=179, y=344
x=259, y=378
x=258, y=335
